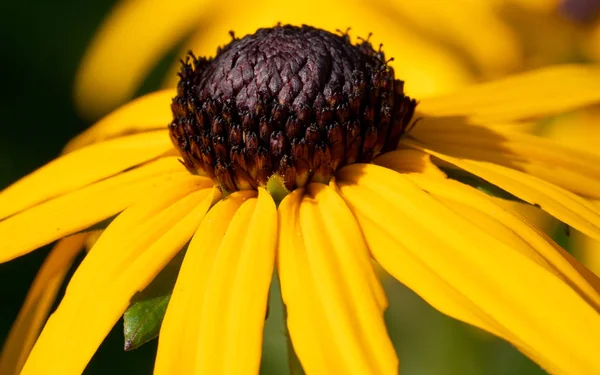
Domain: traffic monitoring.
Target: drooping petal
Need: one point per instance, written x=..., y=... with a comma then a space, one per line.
x=558, y=202
x=214, y=322
x=129, y=254
x=38, y=303
x=531, y=242
x=131, y=41
x=415, y=274
x=150, y=112
x=496, y=218
x=534, y=94
x=333, y=298
x=500, y=289
x=573, y=169
x=447, y=300
x=76, y=211
x=80, y=168
x=180, y=319
x=416, y=59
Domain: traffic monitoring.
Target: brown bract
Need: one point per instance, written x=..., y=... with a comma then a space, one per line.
x=296, y=101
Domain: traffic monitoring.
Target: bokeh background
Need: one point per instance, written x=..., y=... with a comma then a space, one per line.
x=42, y=43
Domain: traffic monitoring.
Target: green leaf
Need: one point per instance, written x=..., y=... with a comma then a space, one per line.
x=147, y=308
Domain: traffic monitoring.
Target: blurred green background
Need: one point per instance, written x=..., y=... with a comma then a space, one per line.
x=42, y=43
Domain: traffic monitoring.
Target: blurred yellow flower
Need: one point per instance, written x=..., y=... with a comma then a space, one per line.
x=454, y=245
x=423, y=38
x=439, y=46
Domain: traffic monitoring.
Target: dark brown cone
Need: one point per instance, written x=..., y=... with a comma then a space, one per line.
x=296, y=101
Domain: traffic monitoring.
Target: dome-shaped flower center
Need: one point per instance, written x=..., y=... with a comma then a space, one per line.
x=294, y=101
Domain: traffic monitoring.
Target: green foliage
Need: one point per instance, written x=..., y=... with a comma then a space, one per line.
x=479, y=183
x=143, y=318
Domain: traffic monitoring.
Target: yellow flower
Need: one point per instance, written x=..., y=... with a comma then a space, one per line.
x=454, y=245
x=424, y=39
x=439, y=46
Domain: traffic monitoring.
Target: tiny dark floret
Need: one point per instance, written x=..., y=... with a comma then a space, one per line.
x=297, y=101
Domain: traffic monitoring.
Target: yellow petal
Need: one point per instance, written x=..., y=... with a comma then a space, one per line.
x=129, y=254
x=448, y=301
x=150, y=112
x=558, y=202
x=571, y=168
x=588, y=250
x=536, y=216
x=417, y=61
x=497, y=218
x=214, y=322
x=592, y=45
x=416, y=275
x=579, y=130
x=333, y=298
x=85, y=207
x=538, y=93
x=38, y=303
x=199, y=259
x=505, y=289
x=411, y=161
x=541, y=6
x=80, y=168
x=133, y=38
x=473, y=26
x=513, y=229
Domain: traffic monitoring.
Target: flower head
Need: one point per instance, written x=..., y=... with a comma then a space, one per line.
x=296, y=101
x=409, y=209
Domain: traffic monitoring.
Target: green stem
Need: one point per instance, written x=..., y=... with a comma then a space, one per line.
x=293, y=362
